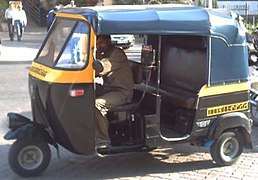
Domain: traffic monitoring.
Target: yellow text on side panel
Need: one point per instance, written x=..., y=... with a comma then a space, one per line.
x=61, y=76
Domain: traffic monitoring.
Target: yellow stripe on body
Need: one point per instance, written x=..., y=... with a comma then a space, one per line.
x=223, y=89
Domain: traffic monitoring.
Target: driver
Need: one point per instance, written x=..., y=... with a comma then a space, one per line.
x=117, y=87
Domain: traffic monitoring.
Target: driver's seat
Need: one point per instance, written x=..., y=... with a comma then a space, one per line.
x=122, y=118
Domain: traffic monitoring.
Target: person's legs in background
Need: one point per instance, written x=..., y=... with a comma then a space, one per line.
x=10, y=28
x=17, y=25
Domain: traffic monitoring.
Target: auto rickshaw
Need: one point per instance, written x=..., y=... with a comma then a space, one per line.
x=191, y=85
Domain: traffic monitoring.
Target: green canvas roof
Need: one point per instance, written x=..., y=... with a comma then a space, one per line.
x=161, y=19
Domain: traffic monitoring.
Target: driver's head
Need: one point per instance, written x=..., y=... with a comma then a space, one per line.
x=103, y=43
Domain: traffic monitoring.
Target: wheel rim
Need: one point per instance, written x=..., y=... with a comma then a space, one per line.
x=30, y=157
x=229, y=149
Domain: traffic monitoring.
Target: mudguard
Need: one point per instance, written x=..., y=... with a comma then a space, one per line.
x=236, y=120
x=16, y=120
x=27, y=130
x=21, y=127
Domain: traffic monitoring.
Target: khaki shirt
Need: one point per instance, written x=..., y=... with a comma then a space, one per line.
x=117, y=74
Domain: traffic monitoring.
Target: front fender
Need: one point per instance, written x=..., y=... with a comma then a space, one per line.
x=16, y=120
x=27, y=130
x=235, y=120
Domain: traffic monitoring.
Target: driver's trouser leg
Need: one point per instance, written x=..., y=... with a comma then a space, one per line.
x=103, y=104
x=101, y=126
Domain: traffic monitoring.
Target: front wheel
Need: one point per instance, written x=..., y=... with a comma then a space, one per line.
x=227, y=149
x=29, y=157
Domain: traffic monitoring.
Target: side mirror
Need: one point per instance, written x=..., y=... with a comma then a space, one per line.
x=98, y=66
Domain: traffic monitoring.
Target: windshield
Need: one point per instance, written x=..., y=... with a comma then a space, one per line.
x=67, y=45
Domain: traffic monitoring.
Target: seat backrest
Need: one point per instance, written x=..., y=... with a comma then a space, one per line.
x=184, y=69
x=137, y=71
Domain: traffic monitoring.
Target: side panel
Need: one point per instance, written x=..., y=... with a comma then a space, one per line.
x=215, y=103
x=61, y=80
x=229, y=63
x=70, y=118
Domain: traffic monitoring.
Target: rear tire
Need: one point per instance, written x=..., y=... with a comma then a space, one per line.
x=29, y=157
x=227, y=149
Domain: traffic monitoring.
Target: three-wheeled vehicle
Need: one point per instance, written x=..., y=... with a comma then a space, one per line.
x=191, y=85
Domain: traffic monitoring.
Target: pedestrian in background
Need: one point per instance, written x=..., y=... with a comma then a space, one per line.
x=72, y=4
x=51, y=15
x=19, y=21
x=9, y=18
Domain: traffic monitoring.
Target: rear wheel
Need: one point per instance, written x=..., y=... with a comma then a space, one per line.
x=29, y=157
x=227, y=149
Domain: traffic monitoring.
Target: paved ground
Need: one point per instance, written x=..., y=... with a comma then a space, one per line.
x=179, y=162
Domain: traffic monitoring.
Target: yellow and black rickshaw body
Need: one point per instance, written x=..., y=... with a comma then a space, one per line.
x=195, y=90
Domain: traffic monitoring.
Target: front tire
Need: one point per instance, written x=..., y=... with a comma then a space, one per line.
x=227, y=149
x=29, y=157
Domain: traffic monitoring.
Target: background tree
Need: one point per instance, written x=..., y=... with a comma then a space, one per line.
x=127, y=2
x=79, y=3
x=3, y=7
